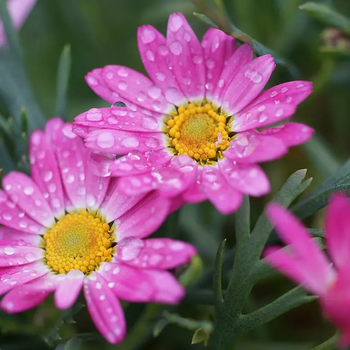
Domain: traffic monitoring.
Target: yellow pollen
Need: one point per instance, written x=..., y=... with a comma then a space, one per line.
x=199, y=131
x=78, y=241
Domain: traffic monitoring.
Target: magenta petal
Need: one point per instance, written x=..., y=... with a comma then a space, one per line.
x=68, y=288
x=304, y=249
x=7, y=233
x=248, y=179
x=218, y=49
x=18, y=275
x=136, y=88
x=97, y=84
x=116, y=203
x=105, y=309
x=138, y=163
x=293, y=92
x=120, y=118
x=253, y=147
x=121, y=142
x=127, y=282
x=44, y=169
x=144, y=219
x=262, y=114
x=28, y=295
x=225, y=198
x=12, y=216
x=195, y=192
x=186, y=59
x=241, y=57
x=337, y=224
x=17, y=253
x=155, y=253
x=28, y=197
x=168, y=289
x=155, y=57
x=291, y=134
x=70, y=152
x=248, y=83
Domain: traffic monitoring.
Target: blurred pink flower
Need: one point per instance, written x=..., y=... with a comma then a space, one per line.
x=66, y=229
x=193, y=128
x=305, y=263
x=19, y=11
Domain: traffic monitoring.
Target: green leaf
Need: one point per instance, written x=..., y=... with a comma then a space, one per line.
x=200, y=336
x=330, y=344
x=327, y=15
x=217, y=283
x=15, y=89
x=76, y=342
x=193, y=271
x=64, y=67
x=242, y=219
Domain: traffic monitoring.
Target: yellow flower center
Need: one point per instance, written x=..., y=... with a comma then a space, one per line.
x=78, y=241
x=201, y=132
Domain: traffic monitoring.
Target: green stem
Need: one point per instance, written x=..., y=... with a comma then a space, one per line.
x=330, y=344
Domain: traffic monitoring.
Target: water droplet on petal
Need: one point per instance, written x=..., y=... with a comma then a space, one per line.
x=91, y=80
x=9, y=250
x=163, y=50
x=210, y=63
x=284, y=89
x=173, y=95
x=160, y=76
x=149, y=123
x=70, y=178
x=221, y=83
x=262, y=117
x=273, y=93
x=130, y=142
x=279, y=113
x=261, y=108
x=154, y=92
x=122, y=72
x=105, y=140
x=176, y=48
x=147, y=36
x=289, y=99
x=150, y=55
x=47, y=175
x=28, y=190
x=215, y=45
x=119, y=104
x=141, y=96
x=94, y=115
x=175, y=23
x=186, y=81
x=255, y=77
x=187, y=37
x=300, y=86
x=122, y=85
x=197, y=59
x=152, y=142
x=30, y=257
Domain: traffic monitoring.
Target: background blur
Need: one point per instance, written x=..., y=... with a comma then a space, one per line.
x=103, y=32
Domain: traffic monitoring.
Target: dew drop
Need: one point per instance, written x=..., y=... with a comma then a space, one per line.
x=70, y=179
x=187, y=37
x=221, y=83
x=122, y=85
x=152, y=142
x=47, y=175
x=149, y=123
x=9, y=250
x=273, y=93
x=284, y=89
x=92, y=81
x=154, y=91
x=141, y=96
x=186, y=81
x=176, y=48
x=210, y=63
x=261, y=108
x=119, y=104
x=163, y=50
x=173, y=95
x=150, y=55
x=175, y=23
x=160, y=76
x=30, y=257
x=130, y=142
x=197, y=59
x=147, y=36
x=122, y=72
x=279, y=113
x=93, y=115
x=105, y=140
x=255, y=77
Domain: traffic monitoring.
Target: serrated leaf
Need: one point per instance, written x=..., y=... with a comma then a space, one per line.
x=75, y=342
x=327, y=15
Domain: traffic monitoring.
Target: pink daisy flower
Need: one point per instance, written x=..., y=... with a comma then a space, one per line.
x=193, y=127
x=305, y=263
x=66, y=229
x=19, y=11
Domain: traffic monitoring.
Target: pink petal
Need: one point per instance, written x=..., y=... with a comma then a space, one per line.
x=246, y=178
x=293, y=92
x=155, y=253
x=17, y=253
x=337, y=224
x=7, y=233
x=186, y=59
x=117, y=204
x=225, y=198
x=296, y=268
x=135, y=88
x=105, y=309
x=291, y=134
x=294, y=233
x=28, y=197
x=168, y=289
x=138, y=163
x=155, y=57
x=170, y=179
x=19, y=11
x=136, y=285
x=97, y=84
x=144, y=219
x=217, y=49
x=120, y=118
x=253, y=147
x=96, y=186
x=248, y=83
x=240, y=58
x=262, y=114
x=28, y=295
x=121, y=142
x=12, y=216
x=71, y=155
x=127, y=282
x=53, y=129
x=68, y=288
x=18, y=275
x=45, y=173
x=195, y=192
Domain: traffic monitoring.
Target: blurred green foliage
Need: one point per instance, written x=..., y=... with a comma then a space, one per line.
x=102, y=32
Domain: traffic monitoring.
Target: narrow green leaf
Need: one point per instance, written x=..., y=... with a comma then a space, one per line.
x=193, y=271
x=205, y=19
x=76, y=342
x=217, y=283
x=159, y=326
x=199, y=336
x=280, y=306
x=327, y=15
x=242, y=219
x=24, y=122
x=63, y=73
x=316, y=232
x=330, y=344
